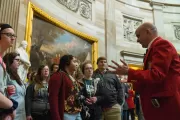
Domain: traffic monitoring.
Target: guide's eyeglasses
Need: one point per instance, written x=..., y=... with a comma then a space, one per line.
x=10, y=35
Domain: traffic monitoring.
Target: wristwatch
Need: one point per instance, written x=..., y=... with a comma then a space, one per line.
x=11, y=109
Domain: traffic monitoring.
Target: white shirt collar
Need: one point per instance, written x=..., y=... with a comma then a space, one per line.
x=149, y=45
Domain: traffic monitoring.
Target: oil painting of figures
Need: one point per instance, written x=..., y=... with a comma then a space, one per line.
x=49, y=43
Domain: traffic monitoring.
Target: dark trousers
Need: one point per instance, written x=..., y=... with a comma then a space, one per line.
x=41, y=117
x=132, y=113
x=95, y=113
x=125, y=115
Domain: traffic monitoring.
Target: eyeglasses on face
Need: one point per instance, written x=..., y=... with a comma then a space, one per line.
x=10, y=35
x=88, y=68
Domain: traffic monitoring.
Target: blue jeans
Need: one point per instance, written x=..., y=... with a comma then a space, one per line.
x=76, y=116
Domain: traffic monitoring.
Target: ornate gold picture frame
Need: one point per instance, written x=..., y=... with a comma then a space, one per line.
x=35, y=15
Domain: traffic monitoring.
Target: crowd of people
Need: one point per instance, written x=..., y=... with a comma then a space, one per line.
x=98, y=95
x=56, y=93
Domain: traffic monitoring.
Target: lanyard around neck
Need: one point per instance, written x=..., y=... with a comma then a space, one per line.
x=89, y=86
x=101, y=76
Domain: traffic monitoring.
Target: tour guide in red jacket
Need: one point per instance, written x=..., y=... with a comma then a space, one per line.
x=159, y=83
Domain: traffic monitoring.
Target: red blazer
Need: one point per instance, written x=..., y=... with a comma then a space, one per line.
x=59, y=86
x=160, y=79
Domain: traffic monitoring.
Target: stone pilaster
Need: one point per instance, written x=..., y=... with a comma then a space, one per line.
x=158, y=17
x=9, y=12
x=110, y=30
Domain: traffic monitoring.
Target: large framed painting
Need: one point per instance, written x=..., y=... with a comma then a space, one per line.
x=49, y=39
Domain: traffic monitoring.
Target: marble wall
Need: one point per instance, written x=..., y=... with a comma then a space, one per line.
x=112, y=22
x=172, y=25
x=128, y=17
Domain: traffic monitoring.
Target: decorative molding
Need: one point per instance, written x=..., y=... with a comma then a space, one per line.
x=130, y=25
x=169, y=12
x=133, y=54
x=135, y=6
x=90, y=0
x=156, y=6
x=132, y=57
x=177, y=31
x=85, y=9
x=152, y=3
x=158, y=3
x=80, y=7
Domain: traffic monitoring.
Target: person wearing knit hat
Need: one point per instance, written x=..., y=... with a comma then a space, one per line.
x=7, y=106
